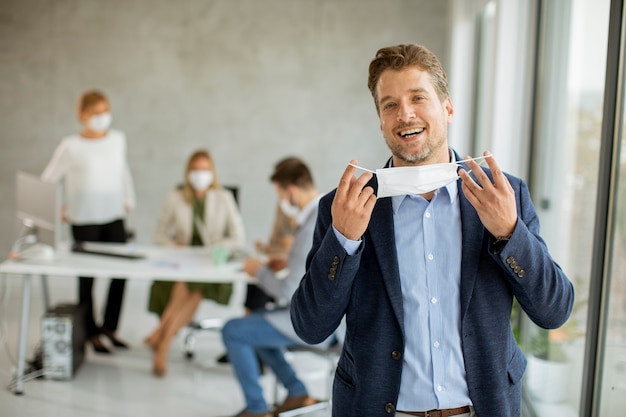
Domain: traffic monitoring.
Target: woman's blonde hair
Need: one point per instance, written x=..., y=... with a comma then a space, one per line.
x=90, y=98
x=188, y=191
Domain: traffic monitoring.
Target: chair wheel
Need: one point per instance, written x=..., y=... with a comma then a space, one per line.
x=189, y=355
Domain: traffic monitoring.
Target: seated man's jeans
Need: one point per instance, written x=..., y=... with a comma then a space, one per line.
x=253, y=333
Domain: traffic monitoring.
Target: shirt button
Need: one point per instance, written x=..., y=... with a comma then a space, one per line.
x=428, y=214
x=436, y=345
x=434, y=300
x=439, y=388
x=430, y=257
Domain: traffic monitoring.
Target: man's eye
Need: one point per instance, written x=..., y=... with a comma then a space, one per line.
x=418, y=98
x=389, y=106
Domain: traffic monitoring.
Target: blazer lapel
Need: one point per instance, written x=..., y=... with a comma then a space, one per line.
x=383, y=241
x=472, y=240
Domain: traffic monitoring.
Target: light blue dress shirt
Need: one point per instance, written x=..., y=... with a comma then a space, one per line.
x=428, y=244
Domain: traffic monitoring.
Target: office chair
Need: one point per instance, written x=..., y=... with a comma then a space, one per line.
x=189, y=341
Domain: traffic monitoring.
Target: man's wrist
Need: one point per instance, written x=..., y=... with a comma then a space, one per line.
x=350, y=246
x=499, y=242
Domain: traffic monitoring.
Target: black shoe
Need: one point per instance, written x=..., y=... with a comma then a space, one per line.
x=223, y=358
x=114, y=340
x=98, y=346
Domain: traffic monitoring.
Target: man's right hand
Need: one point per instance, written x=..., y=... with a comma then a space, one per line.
x=353, y=204
x=251, y=266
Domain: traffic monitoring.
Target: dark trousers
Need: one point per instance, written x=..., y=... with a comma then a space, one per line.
x=256, y=298
x=110, y=232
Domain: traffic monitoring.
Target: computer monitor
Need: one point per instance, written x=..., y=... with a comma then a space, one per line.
x=38, y=206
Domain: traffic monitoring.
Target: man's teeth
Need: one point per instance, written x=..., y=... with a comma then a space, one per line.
x=411, y=132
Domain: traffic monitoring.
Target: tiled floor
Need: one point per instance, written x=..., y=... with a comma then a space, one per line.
x=121, y=385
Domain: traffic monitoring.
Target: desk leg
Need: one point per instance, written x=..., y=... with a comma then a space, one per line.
x=46, y=293
x=21, y=349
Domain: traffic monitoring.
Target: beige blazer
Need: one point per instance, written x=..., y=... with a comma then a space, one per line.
x=222, y=221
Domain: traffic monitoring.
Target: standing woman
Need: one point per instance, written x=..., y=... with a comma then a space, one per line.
x=98, y=194
x=198, y=213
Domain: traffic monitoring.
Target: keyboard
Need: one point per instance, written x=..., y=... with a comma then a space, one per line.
x=79, y=247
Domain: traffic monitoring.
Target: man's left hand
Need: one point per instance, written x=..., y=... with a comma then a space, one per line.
x=494, y=201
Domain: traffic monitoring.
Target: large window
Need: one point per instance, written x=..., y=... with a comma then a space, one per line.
x=564, y=177
x=612, y=383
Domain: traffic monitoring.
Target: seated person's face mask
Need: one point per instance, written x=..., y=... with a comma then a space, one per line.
x=416, y=180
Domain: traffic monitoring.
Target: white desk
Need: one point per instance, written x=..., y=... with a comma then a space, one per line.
x=175, y=264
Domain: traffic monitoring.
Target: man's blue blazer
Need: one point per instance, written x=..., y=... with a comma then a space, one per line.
x=365, y=287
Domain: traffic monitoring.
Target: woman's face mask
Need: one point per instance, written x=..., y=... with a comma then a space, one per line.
x=416, y=180
x=200, y=179
x=100, y=122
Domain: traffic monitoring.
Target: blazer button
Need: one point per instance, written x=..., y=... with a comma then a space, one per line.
x=396, y=355
x=390, y=408
x=521, y=273
x=510, y=260
x=331, y=277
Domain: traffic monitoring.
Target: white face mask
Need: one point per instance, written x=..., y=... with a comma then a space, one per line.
x=416, y=180
x=290, y=210
x=200, y=179
x=100, y=122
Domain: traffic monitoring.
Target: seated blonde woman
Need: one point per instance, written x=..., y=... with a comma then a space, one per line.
x=200, y=212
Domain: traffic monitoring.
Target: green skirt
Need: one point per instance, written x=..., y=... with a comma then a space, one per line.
x=161, y=290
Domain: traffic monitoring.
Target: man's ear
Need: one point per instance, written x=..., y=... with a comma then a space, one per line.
x=449, y=109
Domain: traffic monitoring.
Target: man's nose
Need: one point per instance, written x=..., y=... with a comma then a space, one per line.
x=405, y=113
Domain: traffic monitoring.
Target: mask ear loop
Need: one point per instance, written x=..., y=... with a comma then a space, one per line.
x=361, y=168
x=482, y=159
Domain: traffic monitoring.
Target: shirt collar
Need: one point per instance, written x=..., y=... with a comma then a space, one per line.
x=452, y=189
x=307, y=210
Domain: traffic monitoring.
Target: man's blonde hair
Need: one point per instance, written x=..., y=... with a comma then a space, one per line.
x=403, y=56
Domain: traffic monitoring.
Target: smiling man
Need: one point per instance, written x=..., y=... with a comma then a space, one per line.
x=427, y=274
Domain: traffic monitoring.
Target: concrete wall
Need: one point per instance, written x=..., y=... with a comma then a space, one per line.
x=251, y=80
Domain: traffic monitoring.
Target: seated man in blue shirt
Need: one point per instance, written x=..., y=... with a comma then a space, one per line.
x=269, y=333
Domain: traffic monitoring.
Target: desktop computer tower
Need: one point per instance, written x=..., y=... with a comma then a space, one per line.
x=63, y=341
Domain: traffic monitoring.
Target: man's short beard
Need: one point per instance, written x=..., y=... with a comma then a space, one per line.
x=406, y=156
x=420, y=154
